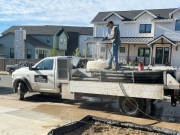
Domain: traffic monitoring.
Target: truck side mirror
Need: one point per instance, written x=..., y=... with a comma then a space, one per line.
x=30, y=67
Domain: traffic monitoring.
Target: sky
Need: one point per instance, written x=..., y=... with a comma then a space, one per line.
x=68, y=12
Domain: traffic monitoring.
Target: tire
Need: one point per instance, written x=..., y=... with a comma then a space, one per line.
x=11, y=71
x=20, y=91
x=128, y=109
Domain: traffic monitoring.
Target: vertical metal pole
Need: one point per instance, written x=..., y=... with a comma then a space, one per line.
x=128, y=54
x=152, y=55
x=86, y=50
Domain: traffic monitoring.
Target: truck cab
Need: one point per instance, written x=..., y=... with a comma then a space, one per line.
x=43, y=77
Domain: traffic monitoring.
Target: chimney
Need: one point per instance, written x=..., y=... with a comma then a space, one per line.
x=19, y=44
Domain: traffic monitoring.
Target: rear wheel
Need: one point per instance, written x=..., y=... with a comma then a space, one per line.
x=129, y=106
x=20, y=91
x=11, y=71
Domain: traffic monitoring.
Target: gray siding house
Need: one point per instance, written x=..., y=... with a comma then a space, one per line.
x=38, y=40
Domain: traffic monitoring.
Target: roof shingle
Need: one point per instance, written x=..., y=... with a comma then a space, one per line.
x=129, y=15
x=36, y=42
x=50, y=29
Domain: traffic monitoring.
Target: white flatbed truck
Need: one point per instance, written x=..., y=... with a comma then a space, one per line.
x=56, y=75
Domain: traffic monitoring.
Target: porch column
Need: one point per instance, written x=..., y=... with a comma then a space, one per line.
x=106, y=51
x=86, y=50
x=170, y=56
x=152, y=54
x=128, y=53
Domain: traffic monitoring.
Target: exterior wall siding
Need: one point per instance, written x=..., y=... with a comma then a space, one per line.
x=82, y=45
x=62, y=46
x=30, y=46
x=44, y=39
x=7, y=43
x=168, y=29
x=126, y=29
x=72, y=43
x=175, y=56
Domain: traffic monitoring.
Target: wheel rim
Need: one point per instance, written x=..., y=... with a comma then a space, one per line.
x=128, y=107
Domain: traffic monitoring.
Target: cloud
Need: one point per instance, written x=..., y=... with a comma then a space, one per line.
x=69, y=12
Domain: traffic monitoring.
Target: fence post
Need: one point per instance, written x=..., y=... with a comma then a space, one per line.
x=4, y=65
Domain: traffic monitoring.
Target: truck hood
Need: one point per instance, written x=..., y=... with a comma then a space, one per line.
x=23, y=69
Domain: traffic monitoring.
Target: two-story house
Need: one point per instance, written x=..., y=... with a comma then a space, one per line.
x=152, y=36
x=39, y=40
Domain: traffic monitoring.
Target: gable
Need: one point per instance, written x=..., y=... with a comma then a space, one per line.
x=145, y=18
x=147, y=12
x=63, y=35
x=115, y=19
x=173, y=12
x=176, y=15
x=113, y=13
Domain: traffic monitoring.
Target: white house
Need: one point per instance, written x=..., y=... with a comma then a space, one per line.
x=149, y=35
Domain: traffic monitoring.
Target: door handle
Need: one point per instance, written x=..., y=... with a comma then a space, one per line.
x=50, y=74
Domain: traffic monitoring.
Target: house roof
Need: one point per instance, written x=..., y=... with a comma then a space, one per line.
x=145, y=11
x=164, y=37
x=130, y=15
x=61, y=31
x=124, y=40
x=113, y=13
x=170, y=14
x=36, y=42
x=50, y=29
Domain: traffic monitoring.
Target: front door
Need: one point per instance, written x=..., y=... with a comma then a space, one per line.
x=159, y=55
x=43, y=77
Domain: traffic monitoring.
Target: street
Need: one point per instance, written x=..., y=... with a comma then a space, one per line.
x=38, y=114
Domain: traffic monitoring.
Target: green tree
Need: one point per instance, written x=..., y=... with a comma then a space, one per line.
x=84, y=53
x=76, y=53
x=54, y=51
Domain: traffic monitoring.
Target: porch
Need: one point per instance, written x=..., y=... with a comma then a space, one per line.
x=162, y=50
x=131, y=51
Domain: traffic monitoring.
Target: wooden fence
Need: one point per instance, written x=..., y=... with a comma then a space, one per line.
x=5, y=62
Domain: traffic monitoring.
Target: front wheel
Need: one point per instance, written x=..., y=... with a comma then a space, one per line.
x=20, y=91
x=129, y=106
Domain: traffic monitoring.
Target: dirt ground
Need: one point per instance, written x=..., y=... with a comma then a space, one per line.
x=97, y=128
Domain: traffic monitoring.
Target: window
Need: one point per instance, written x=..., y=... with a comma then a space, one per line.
x=145, y=28
x=46, y=64
x=41, y=54
x=103, y=49
x=11, y=52
x=143, y=52
x=61, y=41
x=29, y=53
x=177, y=24
x=48, y=39
x=122, y=49
x=109, y=30
x=64, y=41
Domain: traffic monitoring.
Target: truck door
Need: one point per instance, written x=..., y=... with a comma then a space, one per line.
x=44, y=75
